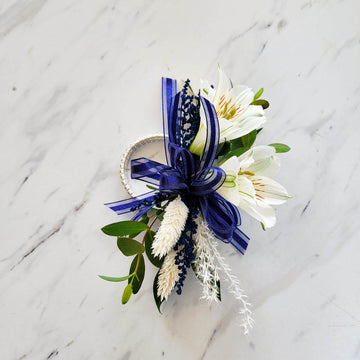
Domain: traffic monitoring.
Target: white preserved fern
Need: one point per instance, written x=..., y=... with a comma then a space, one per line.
x=205, y=267
x=233, y=283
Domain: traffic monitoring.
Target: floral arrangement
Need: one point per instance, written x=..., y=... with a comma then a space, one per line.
x=213, y=172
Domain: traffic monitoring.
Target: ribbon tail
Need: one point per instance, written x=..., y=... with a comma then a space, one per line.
x=147, y=170
x=240, y=240
x=134, y=203
x=223, y=219
x=169, y=89
x=140, y=214
x=212, y=134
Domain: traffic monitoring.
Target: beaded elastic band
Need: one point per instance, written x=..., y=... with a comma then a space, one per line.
x=125, y=161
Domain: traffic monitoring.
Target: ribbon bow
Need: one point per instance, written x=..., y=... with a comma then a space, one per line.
x=185, y=174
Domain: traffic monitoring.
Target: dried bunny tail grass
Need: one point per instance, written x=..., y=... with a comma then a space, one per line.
x=233, y=283
x=168, y=276
x=204, y=266
x=171, y=227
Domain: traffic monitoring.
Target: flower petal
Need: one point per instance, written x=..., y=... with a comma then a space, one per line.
x=246, y=159
x=230, y=190
x=244, y=127
x=207, y=91
x=231, y=166
x=268, y=191
x=230, y=193
x=265, y=162
x=262, y=212
x=246, y=188
x=252, y=110
x=241, y=95
x=223, y=87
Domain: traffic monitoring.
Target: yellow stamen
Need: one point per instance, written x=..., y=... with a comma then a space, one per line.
x=246, y=173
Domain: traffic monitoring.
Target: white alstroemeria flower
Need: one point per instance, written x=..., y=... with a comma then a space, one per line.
x=232, y=104
x=248, y=184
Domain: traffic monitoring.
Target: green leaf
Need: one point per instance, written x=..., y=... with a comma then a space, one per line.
x=145, y=219
x=149, y=238
x=236, y=152
x=157, y=298
x=280, y=148
x=124, y=228
x=258, y=94
x=249, y=139
x=139, y=277
x=116, y=279
x=127, y=294
x=264, y=103
x=151, y=187
x=236, y=143
x=224, y=148
x=135, y=234
x=161, y=216
x=129, y=246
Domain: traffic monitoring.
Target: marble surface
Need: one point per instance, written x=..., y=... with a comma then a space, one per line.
x=80, y=81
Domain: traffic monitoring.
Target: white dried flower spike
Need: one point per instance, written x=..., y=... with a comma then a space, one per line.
x=168, y=276
x=171, y=227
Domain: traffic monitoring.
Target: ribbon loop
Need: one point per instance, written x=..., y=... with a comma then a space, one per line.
x=186, y=175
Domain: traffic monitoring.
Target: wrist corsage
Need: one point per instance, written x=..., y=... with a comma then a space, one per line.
x=212, y=173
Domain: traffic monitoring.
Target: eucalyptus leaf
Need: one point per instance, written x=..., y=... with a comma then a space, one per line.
x=149, y=238
x=129, y=246
x=258, y=94
x=160, y=214
x=139, y=277
x=264, y=103
x=135, y=234
x=157, y=298
x=127, y=294
x=145, y=219
x=115, y=279
x=280, y=148
x=124, y=228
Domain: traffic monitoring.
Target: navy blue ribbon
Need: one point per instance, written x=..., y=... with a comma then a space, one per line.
x=184, y=174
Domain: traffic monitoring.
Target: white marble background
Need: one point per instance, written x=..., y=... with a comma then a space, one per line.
x=80, y=81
